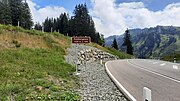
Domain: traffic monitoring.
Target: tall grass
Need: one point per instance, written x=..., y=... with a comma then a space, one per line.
x=36, y=73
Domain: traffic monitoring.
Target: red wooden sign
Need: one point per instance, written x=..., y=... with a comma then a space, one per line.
x=81, y=40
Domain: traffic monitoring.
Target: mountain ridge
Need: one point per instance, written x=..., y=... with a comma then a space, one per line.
x=151, y=42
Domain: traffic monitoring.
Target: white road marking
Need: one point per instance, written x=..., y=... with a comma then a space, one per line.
x=154, y=72
x=162, y=64
x=155, y=62
x=175, y=67
x=119, y=85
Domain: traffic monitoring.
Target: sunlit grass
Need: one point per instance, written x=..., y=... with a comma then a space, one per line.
x=36, y=70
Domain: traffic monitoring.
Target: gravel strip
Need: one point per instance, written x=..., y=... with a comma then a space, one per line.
x=95, y=83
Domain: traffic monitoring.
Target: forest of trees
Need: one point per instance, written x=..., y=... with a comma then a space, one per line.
x=14, y=12
x=17, y=12
x=81, y=24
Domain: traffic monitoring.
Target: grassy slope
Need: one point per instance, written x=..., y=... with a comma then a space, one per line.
x=171, y=58
x=35, y=70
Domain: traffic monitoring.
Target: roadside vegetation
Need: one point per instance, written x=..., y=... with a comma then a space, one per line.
x=171, y=58
x=33, y=67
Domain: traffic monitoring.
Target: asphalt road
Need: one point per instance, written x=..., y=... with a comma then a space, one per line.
x=163, y=78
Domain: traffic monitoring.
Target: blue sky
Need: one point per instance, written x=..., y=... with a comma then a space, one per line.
x=153, y=5
x=113, y=17
x=67, y=4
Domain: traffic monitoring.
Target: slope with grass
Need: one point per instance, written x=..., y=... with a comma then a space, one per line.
x=33, y=67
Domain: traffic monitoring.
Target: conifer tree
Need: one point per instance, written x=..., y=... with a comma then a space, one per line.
x=38, y=26
x=48, y=24
x=26, y=18
x=114, y=44
x=16, y=11
x=82, y=23
x=127, y=42
x=5, y=12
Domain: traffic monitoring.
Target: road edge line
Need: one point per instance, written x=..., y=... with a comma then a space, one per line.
x=126, y=93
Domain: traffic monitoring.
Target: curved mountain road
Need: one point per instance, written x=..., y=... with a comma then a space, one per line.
x=163, y=78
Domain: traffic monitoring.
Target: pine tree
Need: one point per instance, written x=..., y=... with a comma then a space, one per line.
x=59, y=23
x=5, y=12
x=26, y=18
x=64, y=24
x=82, y=24
x=81, y=20
x=55, y=25
x=48, y=24
x=38, y=26
x=127, y=42
x=114, y=44
x=101, y=40
x=92, y=31
x=16, y=11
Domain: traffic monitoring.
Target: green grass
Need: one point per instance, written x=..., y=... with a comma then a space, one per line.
x=22, y=70
x=36, y=70
x=19, y=29
x=30, y=73
x=171, y=58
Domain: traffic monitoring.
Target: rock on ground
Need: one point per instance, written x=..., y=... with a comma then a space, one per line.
x=95, y=83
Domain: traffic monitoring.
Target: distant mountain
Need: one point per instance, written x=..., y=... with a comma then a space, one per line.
x=152, y=42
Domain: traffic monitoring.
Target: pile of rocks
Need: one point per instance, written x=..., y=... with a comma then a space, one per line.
x=93, y=55
x=95, y=82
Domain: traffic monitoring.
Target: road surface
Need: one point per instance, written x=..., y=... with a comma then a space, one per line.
x=163, y=78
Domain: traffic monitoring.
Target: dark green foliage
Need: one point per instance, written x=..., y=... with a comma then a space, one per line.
x=59, y=24
x=114, y=45
x=26, y=18
x=127, y=42
x=63, y=28
x=15, y=11
x=5, y=17
x=81, y=24
x=17, y=44
x=172, y=57
x=37, y=26
x=100, y=39
x=48, y=24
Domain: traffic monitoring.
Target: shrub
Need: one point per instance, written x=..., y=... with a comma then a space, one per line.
x=17, y=44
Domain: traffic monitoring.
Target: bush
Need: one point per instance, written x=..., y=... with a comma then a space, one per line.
x=17, y=44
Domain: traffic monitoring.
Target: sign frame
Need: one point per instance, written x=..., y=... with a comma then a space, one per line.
x=81, y=40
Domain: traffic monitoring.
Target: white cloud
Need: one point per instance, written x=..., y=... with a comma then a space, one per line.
x=113, y=19
x=40, y=14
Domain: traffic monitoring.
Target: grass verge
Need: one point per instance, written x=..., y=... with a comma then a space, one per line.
x=36, y=70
